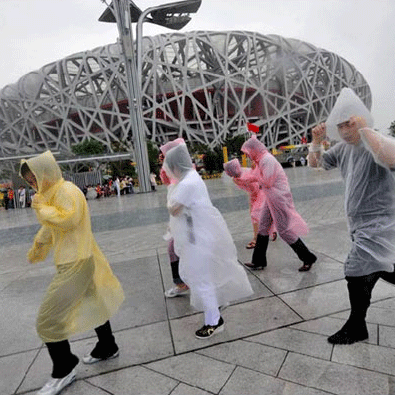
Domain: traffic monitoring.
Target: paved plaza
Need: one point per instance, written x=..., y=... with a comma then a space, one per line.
x=274, y=342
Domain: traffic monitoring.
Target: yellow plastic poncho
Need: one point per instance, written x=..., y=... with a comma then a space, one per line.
x=84, y=293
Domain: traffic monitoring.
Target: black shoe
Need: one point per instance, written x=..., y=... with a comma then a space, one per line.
x=349, y=336
x=254, y=267
x=207, y=331
x=100, y=353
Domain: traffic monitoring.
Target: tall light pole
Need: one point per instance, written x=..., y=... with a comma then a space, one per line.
x=124, y=13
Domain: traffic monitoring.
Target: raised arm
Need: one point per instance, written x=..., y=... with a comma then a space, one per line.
x=315, y=149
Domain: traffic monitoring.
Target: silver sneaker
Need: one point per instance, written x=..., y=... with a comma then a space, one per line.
x=176, y=291
x=54, y=386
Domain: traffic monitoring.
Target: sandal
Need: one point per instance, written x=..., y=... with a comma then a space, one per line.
x=305, y=267
x=250, y=245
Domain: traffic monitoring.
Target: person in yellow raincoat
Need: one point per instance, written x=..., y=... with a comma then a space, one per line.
x=84, y=293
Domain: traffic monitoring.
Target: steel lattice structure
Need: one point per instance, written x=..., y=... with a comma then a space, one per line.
x=200, y=85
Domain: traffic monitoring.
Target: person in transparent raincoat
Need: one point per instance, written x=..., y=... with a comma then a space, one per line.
x=84, y=293
x=278, y=209
x=244, y=179
x=366, y=160
x=179, y=288
x=208, y=256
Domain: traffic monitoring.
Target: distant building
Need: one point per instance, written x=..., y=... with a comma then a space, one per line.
x=202, y=85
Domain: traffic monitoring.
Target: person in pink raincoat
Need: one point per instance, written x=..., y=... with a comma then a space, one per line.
x=243, y=178
x=179, y=288
x=279, y=208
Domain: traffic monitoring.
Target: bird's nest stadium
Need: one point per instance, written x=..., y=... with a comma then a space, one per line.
x=200, y=85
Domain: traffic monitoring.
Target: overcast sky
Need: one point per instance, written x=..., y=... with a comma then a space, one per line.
x=38, y=32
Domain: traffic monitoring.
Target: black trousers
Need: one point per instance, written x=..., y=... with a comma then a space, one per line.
x=360, y=293
x=262, y=242
x=64, y=361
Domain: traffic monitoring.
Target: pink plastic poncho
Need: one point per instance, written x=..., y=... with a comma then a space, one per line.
x=244, y=179
x=279, y=206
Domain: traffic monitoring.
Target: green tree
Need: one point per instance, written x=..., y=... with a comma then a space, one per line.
x=88, y=147
x=122, y=167
x=153, y=155
x=213, y=160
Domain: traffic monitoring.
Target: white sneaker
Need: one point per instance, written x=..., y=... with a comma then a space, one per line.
x=177, y=291
x=88, y=359
x=54, y=386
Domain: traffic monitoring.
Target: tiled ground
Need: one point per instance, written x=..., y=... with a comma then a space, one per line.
x=273, y=343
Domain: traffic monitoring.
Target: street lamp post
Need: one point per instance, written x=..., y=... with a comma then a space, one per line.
x=124, y=13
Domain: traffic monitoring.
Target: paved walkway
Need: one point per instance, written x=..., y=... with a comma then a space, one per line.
x=273, y=343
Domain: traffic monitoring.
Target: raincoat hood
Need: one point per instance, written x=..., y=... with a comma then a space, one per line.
x=171, y=144
x=348, y=104
x=254, y=148
x=233, y=168
x=45, y=169
x=178, y=162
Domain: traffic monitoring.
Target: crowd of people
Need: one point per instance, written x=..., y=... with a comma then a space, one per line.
x=119, y=186
x=85, y=294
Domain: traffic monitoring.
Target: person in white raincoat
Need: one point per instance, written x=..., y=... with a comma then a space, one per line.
x=84, y=293
x=366, y=160
x=208, y=256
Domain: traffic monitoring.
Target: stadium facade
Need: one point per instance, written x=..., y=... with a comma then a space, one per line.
x=201, y=85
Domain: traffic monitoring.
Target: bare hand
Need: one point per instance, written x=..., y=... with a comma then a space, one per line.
x=319, y=133
x=358, y=122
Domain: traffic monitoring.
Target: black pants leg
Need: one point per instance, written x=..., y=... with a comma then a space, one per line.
x=106, y=346
x=359, y=293
x=304, y=254
x=175, y=273
x=63, y=360
x=259, y=254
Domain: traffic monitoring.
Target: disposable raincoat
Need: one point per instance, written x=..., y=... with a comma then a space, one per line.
x=244, y=179
x=164, y=148
x=369, y=189
x=84, y=293
x=208, y=256
x=279, y=207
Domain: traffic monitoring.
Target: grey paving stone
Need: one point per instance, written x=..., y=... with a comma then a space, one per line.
x=367, y=356
x=196, y=370
x=133, y=350
x=297, y=341
x=333, y=377
x=244, y=381
x=328, y=298
x=183, y=389
x=12, y=370
x=79, y=387
x=257, y=357
x=241, y=320
x=327, y=326
x=134, y=381
x=386, y=336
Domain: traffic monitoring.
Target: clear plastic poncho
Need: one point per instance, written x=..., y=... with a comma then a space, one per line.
x=347, y=105
x=208, y=256
x=84, y=293
x=279, y=208
x=369, y=190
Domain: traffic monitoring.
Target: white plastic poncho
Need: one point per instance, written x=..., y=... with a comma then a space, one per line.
x=84, y=293
x=369, y=191
x=208, y=256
